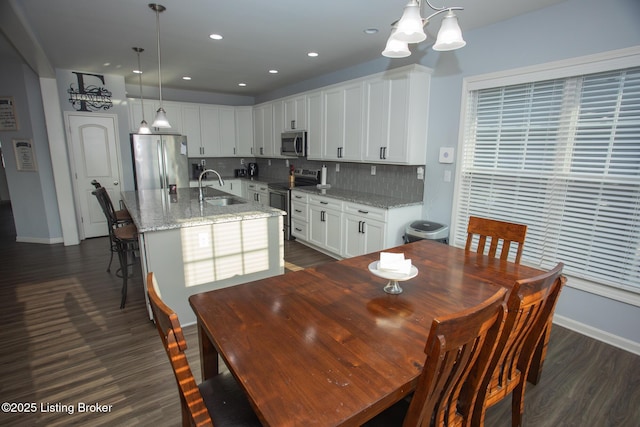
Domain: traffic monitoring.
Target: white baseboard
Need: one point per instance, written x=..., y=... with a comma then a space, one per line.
x=45, y=241
x=597, y=334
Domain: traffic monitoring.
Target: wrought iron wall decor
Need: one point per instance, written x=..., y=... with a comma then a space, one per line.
x=87, y=97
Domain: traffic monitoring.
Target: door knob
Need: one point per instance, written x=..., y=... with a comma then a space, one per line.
x=115, y=183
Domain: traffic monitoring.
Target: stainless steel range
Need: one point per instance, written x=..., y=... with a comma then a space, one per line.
x=280, y=194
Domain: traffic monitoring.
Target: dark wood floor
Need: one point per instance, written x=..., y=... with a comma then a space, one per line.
x=65, y=342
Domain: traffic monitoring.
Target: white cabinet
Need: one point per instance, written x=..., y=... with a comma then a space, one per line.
x=244, y=131
x=191, y=128
x=315, y=131
x=263, y=130
x=343, y=111
x=227, y=131
x=295, y=113
x=210, y=130
x=364, y=229
x=299, y=215
x=325, y=223
x=257, y=193
x=396, y=117
x=233, y=186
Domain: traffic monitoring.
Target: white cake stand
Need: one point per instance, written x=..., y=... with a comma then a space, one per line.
x=392, y=287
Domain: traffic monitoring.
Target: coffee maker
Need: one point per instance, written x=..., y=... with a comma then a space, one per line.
x=253, y=170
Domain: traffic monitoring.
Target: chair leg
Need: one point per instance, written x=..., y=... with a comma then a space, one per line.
x=125, y=272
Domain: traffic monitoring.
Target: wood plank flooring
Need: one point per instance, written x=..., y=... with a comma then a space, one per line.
x=66, y=342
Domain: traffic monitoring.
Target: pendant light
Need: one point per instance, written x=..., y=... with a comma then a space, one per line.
x=410, y=29
x=144, y=127
x=161, y=116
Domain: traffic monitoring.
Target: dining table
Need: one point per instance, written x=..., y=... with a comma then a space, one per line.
x=327, y=346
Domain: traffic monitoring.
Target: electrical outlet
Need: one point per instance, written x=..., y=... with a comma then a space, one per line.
x=203, y=162
x=242, y=161
x=269, y=162
x=373, y=169
x=447, y=175
x=337, y=167
x=420, y=172
x=286, y=162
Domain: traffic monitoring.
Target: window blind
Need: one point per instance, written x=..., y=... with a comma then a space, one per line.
x=563, y=157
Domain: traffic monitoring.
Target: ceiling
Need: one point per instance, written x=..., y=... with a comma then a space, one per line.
x=98, y=36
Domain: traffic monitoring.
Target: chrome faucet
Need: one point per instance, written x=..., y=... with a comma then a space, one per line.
x=220, y=181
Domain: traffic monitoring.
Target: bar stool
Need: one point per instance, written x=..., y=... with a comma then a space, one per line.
x=123, y=237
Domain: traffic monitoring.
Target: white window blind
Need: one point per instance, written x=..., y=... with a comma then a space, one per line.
x=563, y=157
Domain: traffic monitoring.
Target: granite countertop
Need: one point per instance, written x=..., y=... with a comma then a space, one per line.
x=155, y=210
x=369, y=199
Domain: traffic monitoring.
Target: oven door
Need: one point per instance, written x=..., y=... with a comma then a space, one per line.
x=280, y=199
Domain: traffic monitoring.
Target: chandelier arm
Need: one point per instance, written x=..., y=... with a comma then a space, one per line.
x=426, y=20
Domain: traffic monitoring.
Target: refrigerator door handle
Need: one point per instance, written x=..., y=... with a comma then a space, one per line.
x=161, y=164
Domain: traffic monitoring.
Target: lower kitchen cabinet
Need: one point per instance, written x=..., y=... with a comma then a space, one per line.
x=362, y=235
x=257, y=192
x=325, y=223
x=348, y=229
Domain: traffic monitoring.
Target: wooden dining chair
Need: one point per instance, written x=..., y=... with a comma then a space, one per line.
x=496, y=232
x=218, y=401
x=458, y=349
x=530, y=307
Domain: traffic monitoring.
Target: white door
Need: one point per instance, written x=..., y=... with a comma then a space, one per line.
x=95, y=155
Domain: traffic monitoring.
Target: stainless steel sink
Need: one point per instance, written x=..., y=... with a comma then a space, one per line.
x=223, y=201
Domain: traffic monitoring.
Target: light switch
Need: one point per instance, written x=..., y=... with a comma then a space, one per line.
x=373, y=169
x=446, y=155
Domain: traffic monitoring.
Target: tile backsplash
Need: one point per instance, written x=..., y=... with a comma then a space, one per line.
x=389, y=180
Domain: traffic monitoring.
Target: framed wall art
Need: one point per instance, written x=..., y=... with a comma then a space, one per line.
x=25, y=155
x=8, y=119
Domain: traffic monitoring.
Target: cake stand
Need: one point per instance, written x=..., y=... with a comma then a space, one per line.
x=392, y=287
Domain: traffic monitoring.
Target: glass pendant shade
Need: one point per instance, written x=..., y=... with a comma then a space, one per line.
x=396, y=48
x=450, y=34
x=161, y=119
x=144, y=128
x=410, y=26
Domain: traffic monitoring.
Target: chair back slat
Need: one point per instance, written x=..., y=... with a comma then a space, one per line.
x=458, y=351
x=496, y=232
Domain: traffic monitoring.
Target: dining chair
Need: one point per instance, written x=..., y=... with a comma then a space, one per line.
x=496, y=231
x=217, y=401
x=530, y=306
x=123, y=237
x=459, y=348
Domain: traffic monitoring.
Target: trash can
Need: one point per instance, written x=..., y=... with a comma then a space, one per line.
x=423, y=229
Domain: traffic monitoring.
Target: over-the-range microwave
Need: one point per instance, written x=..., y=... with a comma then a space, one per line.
x=294, y=143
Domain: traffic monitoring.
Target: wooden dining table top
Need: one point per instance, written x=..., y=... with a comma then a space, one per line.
x=326, y=346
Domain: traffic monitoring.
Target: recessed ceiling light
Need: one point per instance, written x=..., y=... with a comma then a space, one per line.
x=312, y=54
x=186, y=78
x=273, y=71
x=370, y=30
x=215, y=36
x=106, y=64
x=137, y=72
x=242, y=84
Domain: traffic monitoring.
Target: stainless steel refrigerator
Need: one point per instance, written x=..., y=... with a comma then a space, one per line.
x=159, y=160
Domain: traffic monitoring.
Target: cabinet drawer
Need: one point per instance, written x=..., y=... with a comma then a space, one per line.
x=298, y=196
x=366, y=212
x=325, y=202
x=299, y=229
x=299, y=211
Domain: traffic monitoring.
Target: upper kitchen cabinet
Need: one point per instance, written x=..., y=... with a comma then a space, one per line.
x=263, y=131
x=315, y=131
x=191, y=128
x=210, y=130
x=396, y=119
x=244, y=131
x=295, y=113
x=173, y=110
x=343, y=122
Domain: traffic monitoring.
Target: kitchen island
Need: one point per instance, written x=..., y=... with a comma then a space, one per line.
x=194, y=247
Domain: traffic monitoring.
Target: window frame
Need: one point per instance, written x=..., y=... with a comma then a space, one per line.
x=603, y=62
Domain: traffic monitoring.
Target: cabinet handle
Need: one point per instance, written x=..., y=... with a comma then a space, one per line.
x=359, y=226
x=381, y=153
x=299, y=229
x=384, y=152
x=251, y=150
x=298, y=197
x=363, y=212
x=234, y=151
x=363, y=227
x=261, y=151
x=322, y=216
x=298, y=210
x=293, y=124
x=324, y=203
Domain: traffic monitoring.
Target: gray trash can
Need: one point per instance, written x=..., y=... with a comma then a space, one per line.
x=423, y=229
